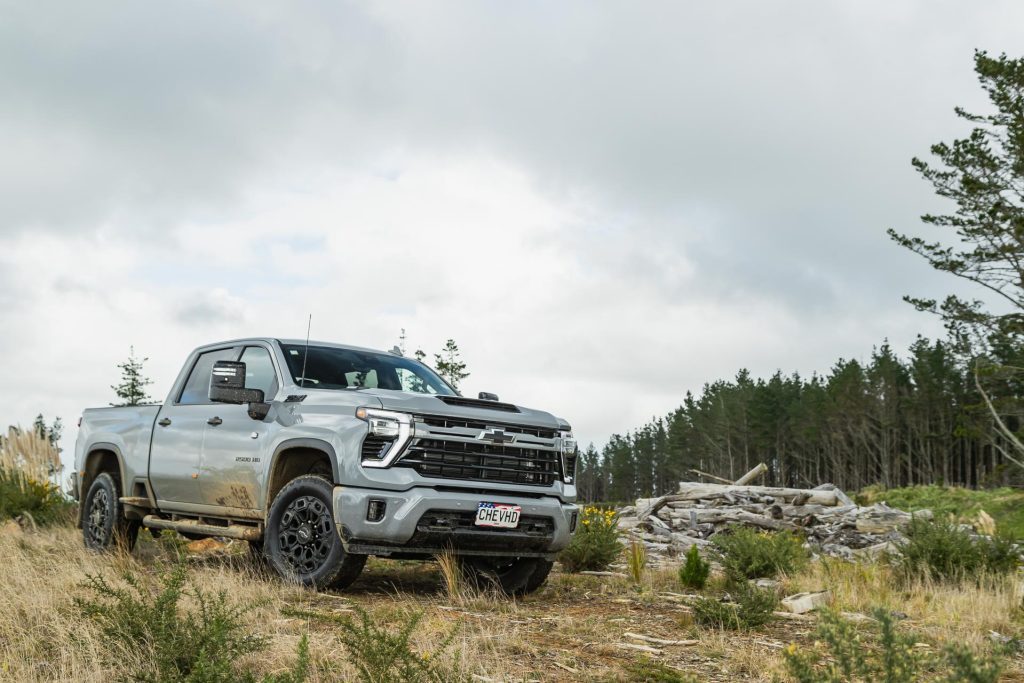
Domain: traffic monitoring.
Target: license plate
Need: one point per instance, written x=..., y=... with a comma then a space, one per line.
x=498, y=515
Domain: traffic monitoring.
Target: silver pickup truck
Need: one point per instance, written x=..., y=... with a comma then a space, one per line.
x=320, y=455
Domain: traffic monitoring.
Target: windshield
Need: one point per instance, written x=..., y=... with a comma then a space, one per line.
x=331, y=368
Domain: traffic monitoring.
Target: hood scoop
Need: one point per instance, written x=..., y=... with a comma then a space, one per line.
x=477, y=403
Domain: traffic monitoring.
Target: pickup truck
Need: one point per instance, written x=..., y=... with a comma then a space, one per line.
x=320, y=455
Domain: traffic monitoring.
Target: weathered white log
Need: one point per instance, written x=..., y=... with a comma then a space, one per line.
x=695, y=491
x=801, y=603
x=710, y=476
x=843, y=498
x=752, y=475
x=642, y=648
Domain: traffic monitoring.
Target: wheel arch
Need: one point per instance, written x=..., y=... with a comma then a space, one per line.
x=295, y=457
x=101, y=457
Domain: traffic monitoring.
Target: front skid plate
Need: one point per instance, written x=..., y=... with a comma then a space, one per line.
x=385, y=550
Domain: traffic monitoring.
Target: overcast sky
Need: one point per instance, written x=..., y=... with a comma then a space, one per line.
x=604, y=204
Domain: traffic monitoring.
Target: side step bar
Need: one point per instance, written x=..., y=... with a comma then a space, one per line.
x=243, y=533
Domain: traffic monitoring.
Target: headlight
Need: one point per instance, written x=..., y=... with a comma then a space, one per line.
x=387, y=435
x=567, y=444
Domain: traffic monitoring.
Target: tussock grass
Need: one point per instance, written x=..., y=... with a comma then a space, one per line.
x=574, y=622
x=29, y=454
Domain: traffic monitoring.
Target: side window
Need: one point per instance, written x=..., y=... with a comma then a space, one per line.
x=197, y=388
x=259, y=371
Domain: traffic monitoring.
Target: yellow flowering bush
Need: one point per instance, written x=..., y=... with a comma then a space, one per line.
x=596, y=543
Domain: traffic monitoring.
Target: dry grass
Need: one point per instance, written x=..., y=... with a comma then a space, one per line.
x=569, y=631
x=31, y=455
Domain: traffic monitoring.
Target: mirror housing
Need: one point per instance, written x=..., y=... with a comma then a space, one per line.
x=487, y=396
x=227, y=385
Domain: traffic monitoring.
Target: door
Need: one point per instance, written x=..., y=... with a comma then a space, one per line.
x=176, y=453
x=234, y=449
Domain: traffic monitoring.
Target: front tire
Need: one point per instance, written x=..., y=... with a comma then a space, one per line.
x=104, y=525
x=301, y=542
x=515, y=576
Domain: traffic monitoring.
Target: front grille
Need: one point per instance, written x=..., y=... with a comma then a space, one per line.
x=374, y=447
x=445, y=422
x=479, y=461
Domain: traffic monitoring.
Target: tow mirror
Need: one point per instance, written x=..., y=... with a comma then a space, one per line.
x=487, y=396
x=227, y=385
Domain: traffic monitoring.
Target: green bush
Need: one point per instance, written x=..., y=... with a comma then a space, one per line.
x=942, y=551
x=750, y=554
x=842, y=656
x=596, y=544
x=380, y=655
x=753, y=607
x=647, y=670
x=41, y=501
x=200, y=645
x=695, y=571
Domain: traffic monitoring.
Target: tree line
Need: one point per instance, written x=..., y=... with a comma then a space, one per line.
x=889, y=420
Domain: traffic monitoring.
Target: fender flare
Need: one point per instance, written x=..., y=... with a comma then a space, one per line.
x=306, y=442
x=92, y=448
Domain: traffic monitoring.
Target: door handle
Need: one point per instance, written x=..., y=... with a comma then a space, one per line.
x=214, y=421
x=164, y=422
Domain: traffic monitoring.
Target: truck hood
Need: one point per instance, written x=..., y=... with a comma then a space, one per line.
x=422, y=404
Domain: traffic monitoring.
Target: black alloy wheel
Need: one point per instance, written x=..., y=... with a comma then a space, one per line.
x=301, y=541
x=305, y=534
x=104, y=525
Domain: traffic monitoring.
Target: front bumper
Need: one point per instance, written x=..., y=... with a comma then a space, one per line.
x=426, y=521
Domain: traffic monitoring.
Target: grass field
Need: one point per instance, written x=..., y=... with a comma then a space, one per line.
x=572, y=630
x=1005, y=505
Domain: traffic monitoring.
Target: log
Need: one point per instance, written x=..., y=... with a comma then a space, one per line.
x=710, y=476
x=695, y=491
x=641, y=648
x=752, y=475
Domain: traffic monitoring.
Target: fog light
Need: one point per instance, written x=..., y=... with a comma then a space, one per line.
x=572, y=522
x=375, y=510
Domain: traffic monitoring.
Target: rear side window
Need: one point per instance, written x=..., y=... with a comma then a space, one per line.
x=259, y=371
x=197, y=388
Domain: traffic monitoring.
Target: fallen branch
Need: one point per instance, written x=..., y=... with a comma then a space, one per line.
x=659, y=641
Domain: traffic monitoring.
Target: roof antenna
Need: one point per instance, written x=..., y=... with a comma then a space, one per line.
x=305, y=354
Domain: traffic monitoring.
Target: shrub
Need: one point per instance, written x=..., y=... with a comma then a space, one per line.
x=27, y=461
x=40, y=502
x=750, y=554
x=695, y=571
x=753, y=607
x=843, y=656
x=380, y=655
x=595, y=544
x=652, y=671
x=194, y=646
x=942, y=551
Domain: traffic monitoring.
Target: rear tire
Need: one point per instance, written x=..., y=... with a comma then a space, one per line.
x=104, y=525
x=515, y=576
x=301, y=542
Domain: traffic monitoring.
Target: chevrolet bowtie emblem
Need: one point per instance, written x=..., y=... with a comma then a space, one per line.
x=497, y=435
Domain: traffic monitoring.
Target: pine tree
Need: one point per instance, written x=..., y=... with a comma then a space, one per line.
x=984, y=175
x=132, y=389
x=448, y=364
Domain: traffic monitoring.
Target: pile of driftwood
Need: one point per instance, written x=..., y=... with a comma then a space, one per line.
x=832, y=523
